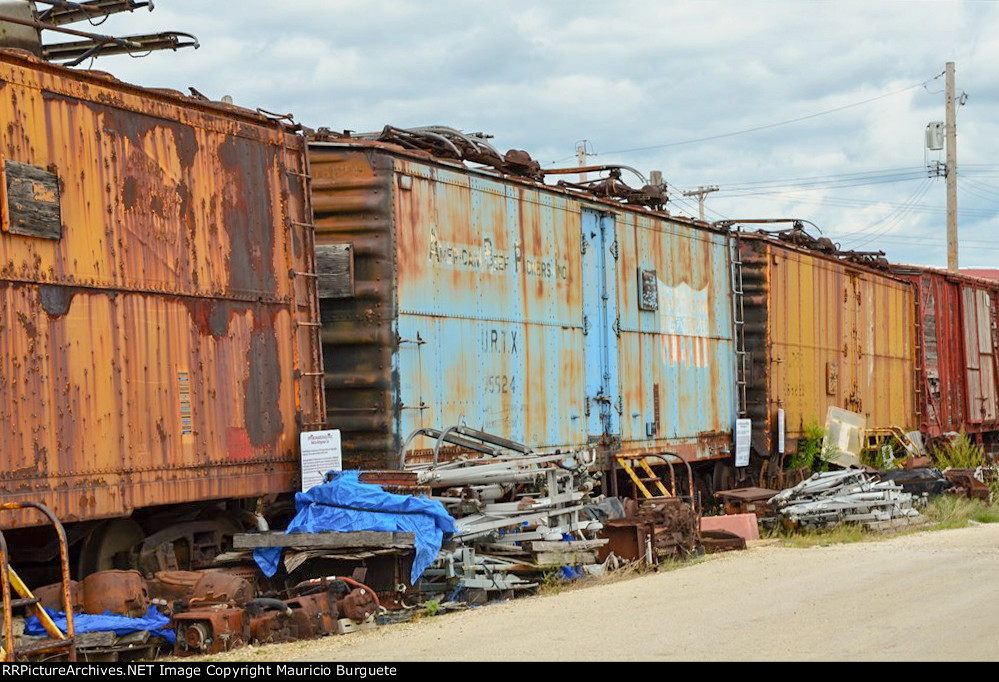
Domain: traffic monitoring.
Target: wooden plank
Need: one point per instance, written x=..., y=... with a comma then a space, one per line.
x=327, y=540
x=335, y=267
x=563, y=546
x=565, y=558
x=32, y=201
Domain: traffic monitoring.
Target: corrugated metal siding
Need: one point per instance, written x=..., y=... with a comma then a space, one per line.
x=472, y=311
x=148, y=356
x=685, y=348
x=835, y=335
x=489, y=280
x=353, y=202
x=956, y=314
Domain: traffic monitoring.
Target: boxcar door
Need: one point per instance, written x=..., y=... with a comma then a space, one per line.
x=600, y=324
x=979, y=354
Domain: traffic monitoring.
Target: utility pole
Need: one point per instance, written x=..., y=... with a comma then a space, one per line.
x=951, y=132
x=700, y=193
x=581, y=155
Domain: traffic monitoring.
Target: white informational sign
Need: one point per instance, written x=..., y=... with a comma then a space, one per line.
x=320, y=453
x=780, y=430
x=743, y=433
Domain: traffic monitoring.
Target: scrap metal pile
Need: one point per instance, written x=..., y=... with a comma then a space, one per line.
x=850, y=495
x=120, y=615
x=522, y=517
x=519, y=515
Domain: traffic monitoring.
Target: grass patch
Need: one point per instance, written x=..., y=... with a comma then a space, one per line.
x=822, y=537
x=951, y=511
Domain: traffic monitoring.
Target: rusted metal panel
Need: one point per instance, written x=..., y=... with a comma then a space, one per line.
x=489, y=279
x=824, y=333
x=150, y=354
x=469, y=308
x=684, y=347
x=353, y=204
x=956, y=322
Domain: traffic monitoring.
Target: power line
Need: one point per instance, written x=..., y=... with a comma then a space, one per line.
x=765, y=127
x=842, y=185
x=882, y=172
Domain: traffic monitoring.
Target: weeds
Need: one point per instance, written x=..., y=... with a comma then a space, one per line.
x=952, y=511
x=810, y=453
x=884, y=456
x=959, y=453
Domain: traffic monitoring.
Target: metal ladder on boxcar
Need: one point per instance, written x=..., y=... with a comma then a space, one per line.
x=739, y=324
x=57, y=640
x=307, y=316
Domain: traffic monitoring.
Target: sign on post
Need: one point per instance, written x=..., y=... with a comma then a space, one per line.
x=320, y=453
x=743, y=433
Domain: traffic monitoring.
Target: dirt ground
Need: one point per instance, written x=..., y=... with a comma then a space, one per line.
x=927, y=596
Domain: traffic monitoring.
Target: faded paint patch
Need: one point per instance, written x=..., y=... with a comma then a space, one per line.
x=683, y=310
x=248, y=214
x=56, y=299
x=262, y=408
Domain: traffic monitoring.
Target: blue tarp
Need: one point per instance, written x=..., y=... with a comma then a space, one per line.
x=153, y=622
x=345, y=504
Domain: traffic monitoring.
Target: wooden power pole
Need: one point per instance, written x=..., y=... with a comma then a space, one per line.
x=951, y=132
x=700, y=193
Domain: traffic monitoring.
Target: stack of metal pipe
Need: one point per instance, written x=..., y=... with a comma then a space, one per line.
x=848, y=496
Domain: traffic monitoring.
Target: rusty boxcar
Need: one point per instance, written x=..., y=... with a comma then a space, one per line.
x=823, y=331
x=542, y=316
x=958, y=353
x=158, y=343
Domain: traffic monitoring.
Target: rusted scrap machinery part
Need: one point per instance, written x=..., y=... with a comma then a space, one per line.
x=123, y=543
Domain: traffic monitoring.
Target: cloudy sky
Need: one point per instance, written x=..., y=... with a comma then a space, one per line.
x=804, y=108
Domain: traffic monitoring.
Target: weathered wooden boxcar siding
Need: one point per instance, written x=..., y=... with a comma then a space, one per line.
x=942, y=361
x=838, y=335
x=148, y=354
x=489, y=283
x=354, y=202
x=684, y=349
x=956, y=314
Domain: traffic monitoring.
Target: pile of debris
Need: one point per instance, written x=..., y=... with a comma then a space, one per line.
x=519, y=515
x=523, y=518
x=119, y=615
x=850, y=495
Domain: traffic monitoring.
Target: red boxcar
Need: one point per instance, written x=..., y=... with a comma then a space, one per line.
x=958, y=353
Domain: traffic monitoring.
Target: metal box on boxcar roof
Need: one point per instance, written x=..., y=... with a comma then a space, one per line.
x=520, y=309
x=821, y=332
x=150, y=346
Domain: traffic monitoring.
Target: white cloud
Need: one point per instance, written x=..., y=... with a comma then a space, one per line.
x=637, y=73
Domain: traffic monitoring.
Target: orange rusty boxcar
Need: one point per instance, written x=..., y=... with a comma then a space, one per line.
x=158, y=343
x=823, y=330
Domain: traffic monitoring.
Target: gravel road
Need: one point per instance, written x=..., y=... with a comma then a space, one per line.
x=927, y=596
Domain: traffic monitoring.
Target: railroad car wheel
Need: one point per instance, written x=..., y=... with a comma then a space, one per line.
x=227, y=523
x=724, y=476
x=704, y=490
x=108, y=539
